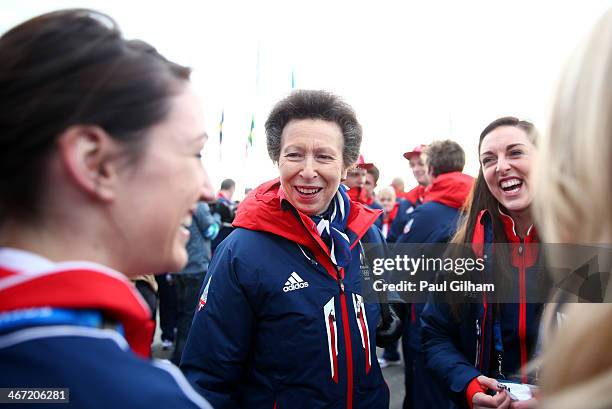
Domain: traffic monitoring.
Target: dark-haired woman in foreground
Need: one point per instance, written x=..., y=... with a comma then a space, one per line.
x=100, y=171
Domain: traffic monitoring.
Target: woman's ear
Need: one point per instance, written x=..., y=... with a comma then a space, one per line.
x=87, y=154
x=343, y=174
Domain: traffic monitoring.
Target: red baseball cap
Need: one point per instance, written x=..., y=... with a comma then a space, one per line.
x=417, y=150
x=361, y=163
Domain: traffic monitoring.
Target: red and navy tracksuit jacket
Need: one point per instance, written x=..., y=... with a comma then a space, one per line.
x=435, y=221
x=278, y=326
x=458, y=351
x=84, y=327
x=406, y=205
x=358, y=194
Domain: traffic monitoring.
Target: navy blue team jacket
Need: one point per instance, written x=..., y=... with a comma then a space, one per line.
x=278, y=325
x=83, y=327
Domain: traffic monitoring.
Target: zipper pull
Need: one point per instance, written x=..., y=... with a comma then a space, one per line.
x=340, y=281
x=477, y=355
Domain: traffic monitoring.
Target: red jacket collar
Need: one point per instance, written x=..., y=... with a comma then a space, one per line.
x=358, y=194
x=510, y=230
x=450, y=189
x=415, y=196
x=478, y=238
x=508, y=223
x=389, y=217
x=78, y=288
x=267, y=209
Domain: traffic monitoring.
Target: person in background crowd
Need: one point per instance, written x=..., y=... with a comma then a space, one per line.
x=100, y=143
x=228, y=187
x=469, y=345
x=407, y=203
x=414, y=197
x=419, y=171
x=167, y=309
x=372, y=175
x=576, y=370
x=202, y=230
x=387, y=199
x=434, y=221
x=225, y=208
x=293, y=330
x=147, y=287
x=356, y=180
x=398, y=186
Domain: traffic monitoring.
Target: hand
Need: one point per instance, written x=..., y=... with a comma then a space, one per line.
x=501, y=400
x=389, y=327
x=524, y=404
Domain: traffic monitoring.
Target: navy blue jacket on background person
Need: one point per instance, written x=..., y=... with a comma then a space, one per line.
x=460, y=348
x=81, y=326
x=407, y=203
x=203, y=229
x=377, y=206
x=434, y=221
x=278, y=325
x=225, y=209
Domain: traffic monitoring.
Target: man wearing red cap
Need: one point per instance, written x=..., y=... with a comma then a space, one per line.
x=419, y=171
x=410, y=200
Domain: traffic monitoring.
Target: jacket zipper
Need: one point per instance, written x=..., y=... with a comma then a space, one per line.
x=477, y=360
x=482, y=331
x=347, y=341
x=522, y=313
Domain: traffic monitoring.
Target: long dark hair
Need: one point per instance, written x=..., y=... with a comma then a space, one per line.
x=66, y=68
x=480, y=197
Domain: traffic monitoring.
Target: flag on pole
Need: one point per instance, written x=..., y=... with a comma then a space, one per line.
x=221, y=126
x=221, y=135
x=250, y=138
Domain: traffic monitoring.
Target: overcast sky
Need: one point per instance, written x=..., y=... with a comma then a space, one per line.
x=415, y=71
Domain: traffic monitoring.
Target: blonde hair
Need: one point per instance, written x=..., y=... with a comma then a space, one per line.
x=577, y=363
x=388, y=190
x=574, y=178
x=572, y=205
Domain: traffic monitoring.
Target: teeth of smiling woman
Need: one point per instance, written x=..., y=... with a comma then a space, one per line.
x=307, y=191
x=509, y=183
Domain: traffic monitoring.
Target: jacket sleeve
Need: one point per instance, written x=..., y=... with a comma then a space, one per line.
x=419, y=227
x=220, y=337
x=206, y=223
x=397, y=226
x=392, y=310
x=439, y=335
